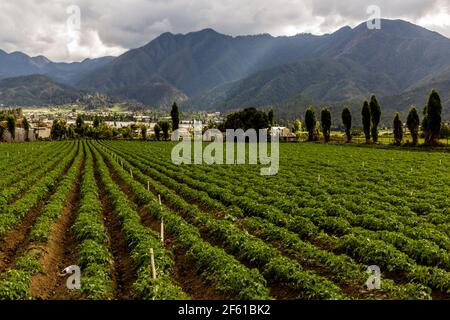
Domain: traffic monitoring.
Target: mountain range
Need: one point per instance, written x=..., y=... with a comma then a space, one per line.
x=206, y=70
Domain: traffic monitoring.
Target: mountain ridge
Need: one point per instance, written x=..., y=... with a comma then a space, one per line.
x=209, y=70
x=35, y=90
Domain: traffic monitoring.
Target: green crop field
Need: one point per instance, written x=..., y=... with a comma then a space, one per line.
x=309, y=232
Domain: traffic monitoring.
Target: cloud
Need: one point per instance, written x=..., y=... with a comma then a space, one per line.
x=112, y=27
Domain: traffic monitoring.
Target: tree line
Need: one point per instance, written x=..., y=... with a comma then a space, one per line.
x=101, y=130
x=431, y=125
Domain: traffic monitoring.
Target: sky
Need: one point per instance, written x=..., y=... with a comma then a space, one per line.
x=72, y=30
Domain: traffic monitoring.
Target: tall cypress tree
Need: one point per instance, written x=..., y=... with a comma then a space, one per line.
x=347, y=121
x=434, y=118
x=11, y=124
x=157, y=130
x=325, y=120
x=144, y=132
x=425, y=122
x=175, y=114
x=398, y=130
x=80, y=127
x=366, y=120
x=413, y=123
x=165, y=128
x=375, y=114
x=271, y=116
x=26, y=127
x=310, y=123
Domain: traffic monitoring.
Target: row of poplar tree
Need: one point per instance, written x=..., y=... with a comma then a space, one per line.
x=371, y=116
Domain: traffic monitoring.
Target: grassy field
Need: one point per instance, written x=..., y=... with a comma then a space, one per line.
x=310, y=232
x=385, y=137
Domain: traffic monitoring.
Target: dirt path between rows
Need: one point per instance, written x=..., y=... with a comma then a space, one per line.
x=278, y=291
x=123, y=275
x=183, y=273
x=16, y=241
x=61, y=250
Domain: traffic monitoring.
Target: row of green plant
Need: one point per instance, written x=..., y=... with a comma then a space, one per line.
x=311, y=194
x=366, y=216
x=41, y=231
x=95, y=259
x=414, y=249
x=15, y=283
x=10, y=153
x=364, y=182
x=423, y=251
x=15, y=172
x=45, y=163
x=16, y=211
x=341, y=219
x=249, y=249
x=20, y=160
x=343, y=269
x=223, y=270
x=140, y=240
x=204, y=200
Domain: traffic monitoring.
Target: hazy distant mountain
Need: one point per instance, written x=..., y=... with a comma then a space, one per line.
x=71, y=73
x=35, y=90
x=18, y=64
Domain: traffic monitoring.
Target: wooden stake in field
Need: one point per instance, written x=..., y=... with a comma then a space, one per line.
x=152, y=262
x=159, y=199
x=148, y=185
x=162, y=230
x=131, y=173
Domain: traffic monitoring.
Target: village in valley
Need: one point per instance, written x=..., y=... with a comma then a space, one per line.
x=41, y=120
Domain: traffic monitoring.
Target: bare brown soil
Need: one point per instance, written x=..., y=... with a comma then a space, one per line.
x=61, y=250
x=16, y=241
x=186, y=276
x=123, y=275
x=183, y=273
x=278, y=291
